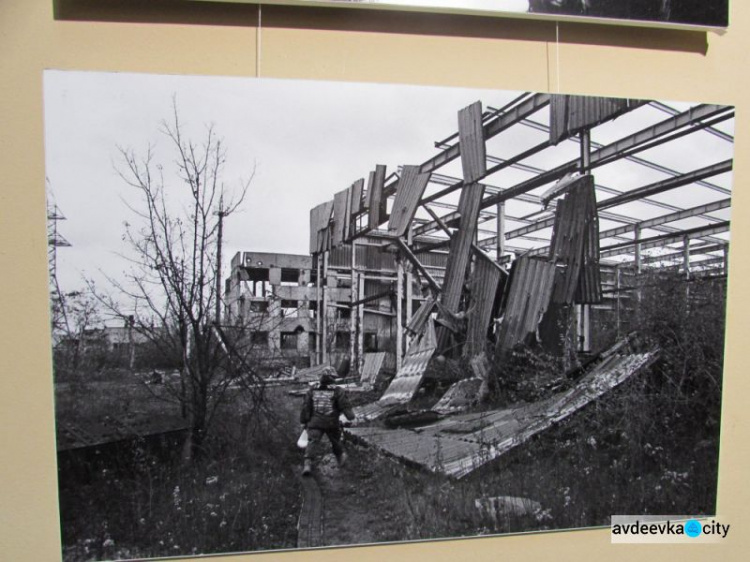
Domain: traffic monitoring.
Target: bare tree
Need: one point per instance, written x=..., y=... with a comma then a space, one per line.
x=171, y=287
x=78, y=338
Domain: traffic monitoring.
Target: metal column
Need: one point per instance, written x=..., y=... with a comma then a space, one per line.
x=500, y=242
x=324, y=330
x=353, y=335
x=583, y=311
x=399, y=312
x=319, y=310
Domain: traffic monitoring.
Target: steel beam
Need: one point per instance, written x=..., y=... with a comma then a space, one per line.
x=416, y=263
x=635, y=142
x=672, y=217
x=528, y=198
x=664, y=239
x=694, y=251
x=610, y=152
x=491, y=129
x=666, y=185
x=636, y=159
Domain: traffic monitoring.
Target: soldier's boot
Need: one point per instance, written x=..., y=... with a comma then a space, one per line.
x=307, y=468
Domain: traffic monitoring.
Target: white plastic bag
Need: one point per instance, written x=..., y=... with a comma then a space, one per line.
x=302, y=441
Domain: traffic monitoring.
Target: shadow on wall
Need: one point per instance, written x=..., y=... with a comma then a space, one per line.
x=696, y=12
x=382, y=21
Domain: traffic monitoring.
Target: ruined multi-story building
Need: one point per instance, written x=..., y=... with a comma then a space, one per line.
x=278, y=300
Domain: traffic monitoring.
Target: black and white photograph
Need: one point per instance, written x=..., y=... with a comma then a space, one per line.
x=293, y=314
x=691, y=12
x=667, y=13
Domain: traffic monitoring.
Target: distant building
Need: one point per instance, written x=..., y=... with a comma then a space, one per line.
x=119, y=338
x=278, y=300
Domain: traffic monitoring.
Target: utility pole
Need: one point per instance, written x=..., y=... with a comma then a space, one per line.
x=219, y=237
x=55, y=240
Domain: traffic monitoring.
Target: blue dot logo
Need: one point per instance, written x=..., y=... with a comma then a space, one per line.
x=693, y=528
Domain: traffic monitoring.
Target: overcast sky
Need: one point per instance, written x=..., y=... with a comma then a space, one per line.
x=305, y=140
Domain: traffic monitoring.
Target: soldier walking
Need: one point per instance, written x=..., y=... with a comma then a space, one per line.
x=323, y=405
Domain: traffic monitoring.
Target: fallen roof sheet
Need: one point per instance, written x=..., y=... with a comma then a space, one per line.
x=406, y=382
x=460, y=396
x=372, y=366
x=485, y=280
x=459, y=445
x=459, y=257
x=531, y=284
x=310, y=374
x=419, y=318
x=575, y=245
x=372, y=411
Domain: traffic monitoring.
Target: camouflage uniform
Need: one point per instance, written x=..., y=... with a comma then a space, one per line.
x=323, y=405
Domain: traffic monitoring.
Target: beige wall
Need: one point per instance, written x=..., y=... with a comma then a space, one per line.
x=182, y=37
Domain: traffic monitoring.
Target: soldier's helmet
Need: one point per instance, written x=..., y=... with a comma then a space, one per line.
x=328, y=376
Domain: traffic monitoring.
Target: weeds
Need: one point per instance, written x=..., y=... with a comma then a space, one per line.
x=648, y=447
x=241, y=496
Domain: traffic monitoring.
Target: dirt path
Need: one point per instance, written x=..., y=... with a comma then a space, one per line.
x=346, y=505
x=353, y=508
x=310, y=523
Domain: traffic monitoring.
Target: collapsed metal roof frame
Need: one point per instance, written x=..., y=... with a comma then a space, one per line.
x=519, y=113
x=397, y=200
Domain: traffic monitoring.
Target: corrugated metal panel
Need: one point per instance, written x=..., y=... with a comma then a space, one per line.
x=460, y=396
x=375, y=258
x=320, y=216
x=570, y=114
x=459, y=445
x=355, y=205
x=375, y=201
x=371, y=368
x=409, y=191
x=369, y=257
x=389, y=365
x=340, y=256
x=460, y=248
x=314, y=220
x=376, y=287
x=471, y=137
x=406, y=382
x=589, y=290
x=420, y=317
x=372, y=411
x=566, y=247
x=460, y=252
x=575, y=245
x=340, y=217
x=527, y=300
x=310, y=374
x=434, y=259
x=484, y=282
x=324, y=238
